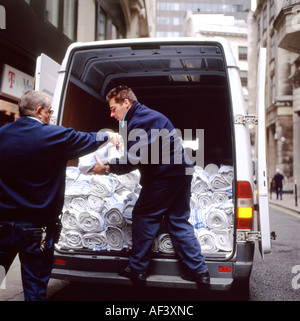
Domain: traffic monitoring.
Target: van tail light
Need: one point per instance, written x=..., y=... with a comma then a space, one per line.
x=59, y=261
x=244, y=205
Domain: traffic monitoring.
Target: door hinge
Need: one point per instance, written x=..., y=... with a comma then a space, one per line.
x=246, y=119
x=248, y=236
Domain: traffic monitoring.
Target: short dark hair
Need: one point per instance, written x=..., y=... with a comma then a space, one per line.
x=120, y=93
x=31, y=100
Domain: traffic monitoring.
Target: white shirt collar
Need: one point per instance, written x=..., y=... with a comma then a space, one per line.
x=35, y=119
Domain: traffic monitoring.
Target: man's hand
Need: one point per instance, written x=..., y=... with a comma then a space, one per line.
x=99, y=168
x=114, y=138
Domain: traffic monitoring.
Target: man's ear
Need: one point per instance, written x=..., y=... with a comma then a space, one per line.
x=38, y=112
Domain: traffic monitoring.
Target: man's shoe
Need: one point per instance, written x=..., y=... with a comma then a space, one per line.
x=136, y=278
x=201, y=278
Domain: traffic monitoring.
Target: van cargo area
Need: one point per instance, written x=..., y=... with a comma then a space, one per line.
x=190, y=85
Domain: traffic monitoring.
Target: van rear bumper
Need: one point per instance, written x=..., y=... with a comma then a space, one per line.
x=163, y=272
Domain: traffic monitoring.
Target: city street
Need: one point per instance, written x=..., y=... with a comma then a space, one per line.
x=276, y=278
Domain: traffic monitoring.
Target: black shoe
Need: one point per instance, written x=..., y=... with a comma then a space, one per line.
x=136, y=278
x=201, y=278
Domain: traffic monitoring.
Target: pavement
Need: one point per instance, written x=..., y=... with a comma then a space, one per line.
x=11, y=288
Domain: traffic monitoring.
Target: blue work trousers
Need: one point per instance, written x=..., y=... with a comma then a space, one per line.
x=169, y=199
x=36, y=264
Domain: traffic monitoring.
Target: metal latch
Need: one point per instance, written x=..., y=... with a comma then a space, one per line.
x=246, y=119
x=248, y=236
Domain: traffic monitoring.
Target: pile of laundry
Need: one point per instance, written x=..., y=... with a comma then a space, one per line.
x=97, y=212
x=212, y=207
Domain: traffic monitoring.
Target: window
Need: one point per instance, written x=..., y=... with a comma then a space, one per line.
x=265, y=18
x=243, y=53
x=69, y=21
x=102, y=21
x=244, y=77
x=52, y=12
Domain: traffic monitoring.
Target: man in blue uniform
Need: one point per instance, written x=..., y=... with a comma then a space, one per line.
x=33, y=159
x=154, y=148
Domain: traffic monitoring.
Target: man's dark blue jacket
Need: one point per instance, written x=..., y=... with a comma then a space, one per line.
x=152, y=146
x=33, y=159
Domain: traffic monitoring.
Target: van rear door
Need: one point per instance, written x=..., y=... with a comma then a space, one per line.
x=263, y=219
x=46, y=78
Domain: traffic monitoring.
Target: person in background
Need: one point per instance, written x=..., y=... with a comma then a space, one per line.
x=165, y=190
x=278, y=180
x=33, y=160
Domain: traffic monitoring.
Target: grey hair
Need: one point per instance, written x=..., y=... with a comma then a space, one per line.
x=31, y=100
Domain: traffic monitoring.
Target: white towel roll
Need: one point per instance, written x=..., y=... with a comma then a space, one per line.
x=78, y=204
x=69, y=219
x=219, y=197
x=95, y=203
x=223, y=239
x=114, y=216
x=115, y=238
x=90, y=221
x=165, y=244
x=72, y=238
x=204, y=200
x=217, y=219
x=102, y=186
x=94, y=241
x=207, y=241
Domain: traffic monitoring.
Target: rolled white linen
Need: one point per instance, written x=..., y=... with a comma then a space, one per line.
x=71, y=238
x=91, y=221
x=217, y=219
x=198, y=218
x=211, y=169
x=227, y=171
x=200, y=182
x=223, y=239
x=127, y=234
x=79, y=204
x=207, y=241
x=102, y=186
x=219, y=182
x=95, y=241
x=204, y=200
x=114, y=215
x=219, y=197
x=80, y=187
x=105, y=153
x=128, y=181
x=115, y=238
x=69, y=219
x=72, y=174
x=165, y=244
x=95, y=203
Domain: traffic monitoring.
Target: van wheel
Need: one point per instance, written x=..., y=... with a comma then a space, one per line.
x=241, y=290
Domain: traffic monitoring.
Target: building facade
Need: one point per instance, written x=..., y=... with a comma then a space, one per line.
x=268, y=28
x=31, y=27
x=170, y=14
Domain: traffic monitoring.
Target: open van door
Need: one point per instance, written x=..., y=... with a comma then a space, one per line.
x=263, y=219
x=46, y=75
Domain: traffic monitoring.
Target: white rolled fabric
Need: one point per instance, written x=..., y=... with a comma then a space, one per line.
x=80, y=187
x=95, y=203
x=219, y=197
x=207, y=241
x=91, y=221
x=193, y=201
x=127, y=233
x=219, y=182
x=105, y=153
x=115, y=238
x=217, y=219
x=227, y=171
x=94, y=241
x=198, y=218
x=102, y=186
x=67, y=202
x=200, y=182
x=114, y=215
x=204, y=200
x=69, y=219
x=78, y=204
x=211, y=169
x=223, y=239
x=72, y=174
x=72, y=238
x=128, y=181
x=165, y=244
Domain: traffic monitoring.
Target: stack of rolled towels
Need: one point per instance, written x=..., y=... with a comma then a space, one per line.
x=97, y=212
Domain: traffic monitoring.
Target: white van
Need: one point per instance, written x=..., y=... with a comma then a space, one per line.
x=196, y=84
